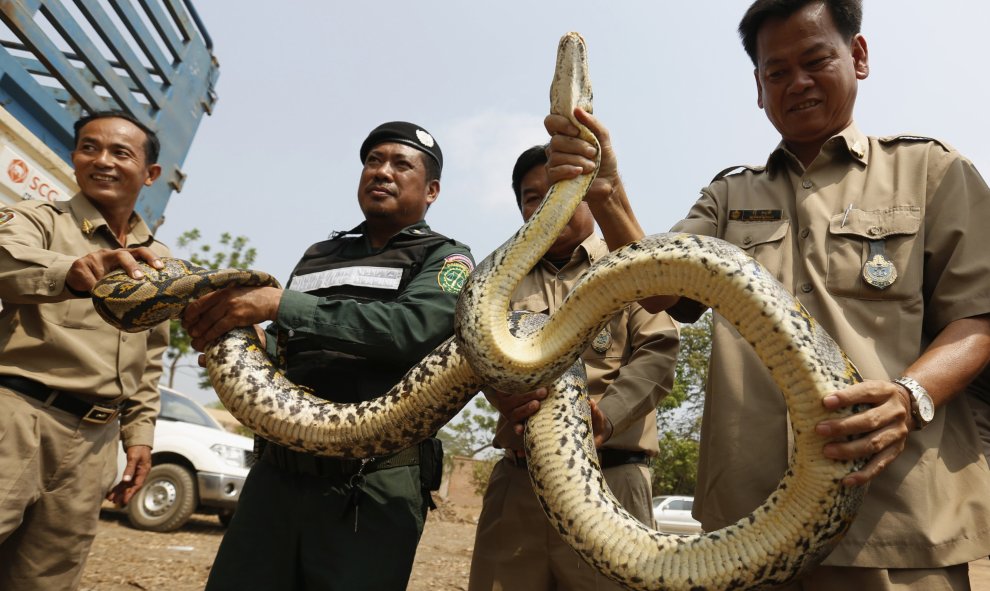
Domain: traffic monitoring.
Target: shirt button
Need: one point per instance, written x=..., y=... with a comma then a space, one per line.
x=51, y=285
x=748, y=240
x=806, y=288
x=292, y=333
x=805, y=232
x=873, y=230
x=806, y=184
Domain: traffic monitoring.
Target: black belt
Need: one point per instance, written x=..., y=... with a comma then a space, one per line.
x=100, y=414
x=608, y=458
x=335, y=468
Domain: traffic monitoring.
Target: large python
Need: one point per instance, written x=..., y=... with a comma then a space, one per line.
x=797, y=525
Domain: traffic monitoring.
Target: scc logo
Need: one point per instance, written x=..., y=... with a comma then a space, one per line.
x=17, y=170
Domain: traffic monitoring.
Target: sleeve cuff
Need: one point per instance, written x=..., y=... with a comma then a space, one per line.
x=295, y=310
x=137, y=435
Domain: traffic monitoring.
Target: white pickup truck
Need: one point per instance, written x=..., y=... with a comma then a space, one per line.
x=196, y=466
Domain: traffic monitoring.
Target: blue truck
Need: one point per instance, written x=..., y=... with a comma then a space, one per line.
x=62, y=59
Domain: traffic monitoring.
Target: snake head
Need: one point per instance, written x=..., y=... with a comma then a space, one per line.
x=571, y=86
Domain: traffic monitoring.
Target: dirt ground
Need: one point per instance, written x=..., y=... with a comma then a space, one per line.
x=125, y=559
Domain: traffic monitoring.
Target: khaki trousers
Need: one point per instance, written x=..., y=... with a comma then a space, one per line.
x=54, y=471
x=516, y=548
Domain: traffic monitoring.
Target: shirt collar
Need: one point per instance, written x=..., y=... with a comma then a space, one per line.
x=89, y=220
x=850, y=141
x=591, y=249
x=420, y=228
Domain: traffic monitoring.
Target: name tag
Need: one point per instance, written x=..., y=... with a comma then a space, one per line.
x=755, y=215
x=374, y=277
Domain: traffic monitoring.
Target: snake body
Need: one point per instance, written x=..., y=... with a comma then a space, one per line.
x=798, y=524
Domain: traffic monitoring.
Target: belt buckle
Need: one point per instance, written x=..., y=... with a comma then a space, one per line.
x=101, y=415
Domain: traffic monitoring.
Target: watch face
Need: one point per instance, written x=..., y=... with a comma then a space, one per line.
x=926, y=408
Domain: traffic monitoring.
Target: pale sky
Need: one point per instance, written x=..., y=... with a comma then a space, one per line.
x=301, y=85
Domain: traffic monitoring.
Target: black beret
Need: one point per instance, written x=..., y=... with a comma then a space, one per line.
x=403, y=132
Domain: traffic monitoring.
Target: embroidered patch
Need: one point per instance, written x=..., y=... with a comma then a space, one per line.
x=6, y=216
x=454, y=273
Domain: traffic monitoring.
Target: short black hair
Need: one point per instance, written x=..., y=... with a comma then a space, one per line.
x=535, y=156
x=847, y=15
x=151, y=144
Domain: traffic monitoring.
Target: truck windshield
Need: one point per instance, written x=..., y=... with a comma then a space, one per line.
x=177, y=408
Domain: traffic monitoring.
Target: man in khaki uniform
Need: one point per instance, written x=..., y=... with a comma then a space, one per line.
x=630, y=368
x=65, y=374
x=883, y=240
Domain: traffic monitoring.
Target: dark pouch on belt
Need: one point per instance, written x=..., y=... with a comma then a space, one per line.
x=431, y=463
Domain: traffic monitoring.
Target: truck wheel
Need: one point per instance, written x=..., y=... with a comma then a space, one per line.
x=166, y=500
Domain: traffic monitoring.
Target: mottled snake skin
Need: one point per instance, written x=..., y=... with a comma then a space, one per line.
x=794, y=529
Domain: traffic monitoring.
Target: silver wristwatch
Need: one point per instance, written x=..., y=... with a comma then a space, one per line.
x=922, y=405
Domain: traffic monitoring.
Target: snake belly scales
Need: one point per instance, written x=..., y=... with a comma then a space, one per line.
x=796, y=527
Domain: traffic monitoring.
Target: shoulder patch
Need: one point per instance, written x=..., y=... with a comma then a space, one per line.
x=737, y=169
x=454, y=273
x=5, y=216
x=908, y=137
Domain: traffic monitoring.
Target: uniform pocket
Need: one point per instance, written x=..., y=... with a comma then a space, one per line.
x=74, y=313
x=761, y=240
x=895, y=231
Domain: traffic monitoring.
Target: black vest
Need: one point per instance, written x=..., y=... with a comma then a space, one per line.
x=344, y=377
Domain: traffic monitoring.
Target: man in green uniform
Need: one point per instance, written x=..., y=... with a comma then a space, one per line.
x=630, y=367
x=71, y=385
x=883, y=241
x=359, y=310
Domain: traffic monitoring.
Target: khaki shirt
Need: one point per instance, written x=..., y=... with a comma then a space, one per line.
x=51, y=336
x=925, y=206
x=630, y=366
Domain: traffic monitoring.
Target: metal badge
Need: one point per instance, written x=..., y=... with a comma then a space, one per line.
x=603, y=341
x=879, y=271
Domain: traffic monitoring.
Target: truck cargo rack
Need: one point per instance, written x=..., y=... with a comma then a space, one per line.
x=151, y=58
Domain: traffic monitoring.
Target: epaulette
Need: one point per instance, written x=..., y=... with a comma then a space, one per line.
x=738, y=168
x=908, y=137
x=59, y=206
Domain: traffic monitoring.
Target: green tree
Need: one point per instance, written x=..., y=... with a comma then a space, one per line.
x=675, y=469
x=229, y=252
